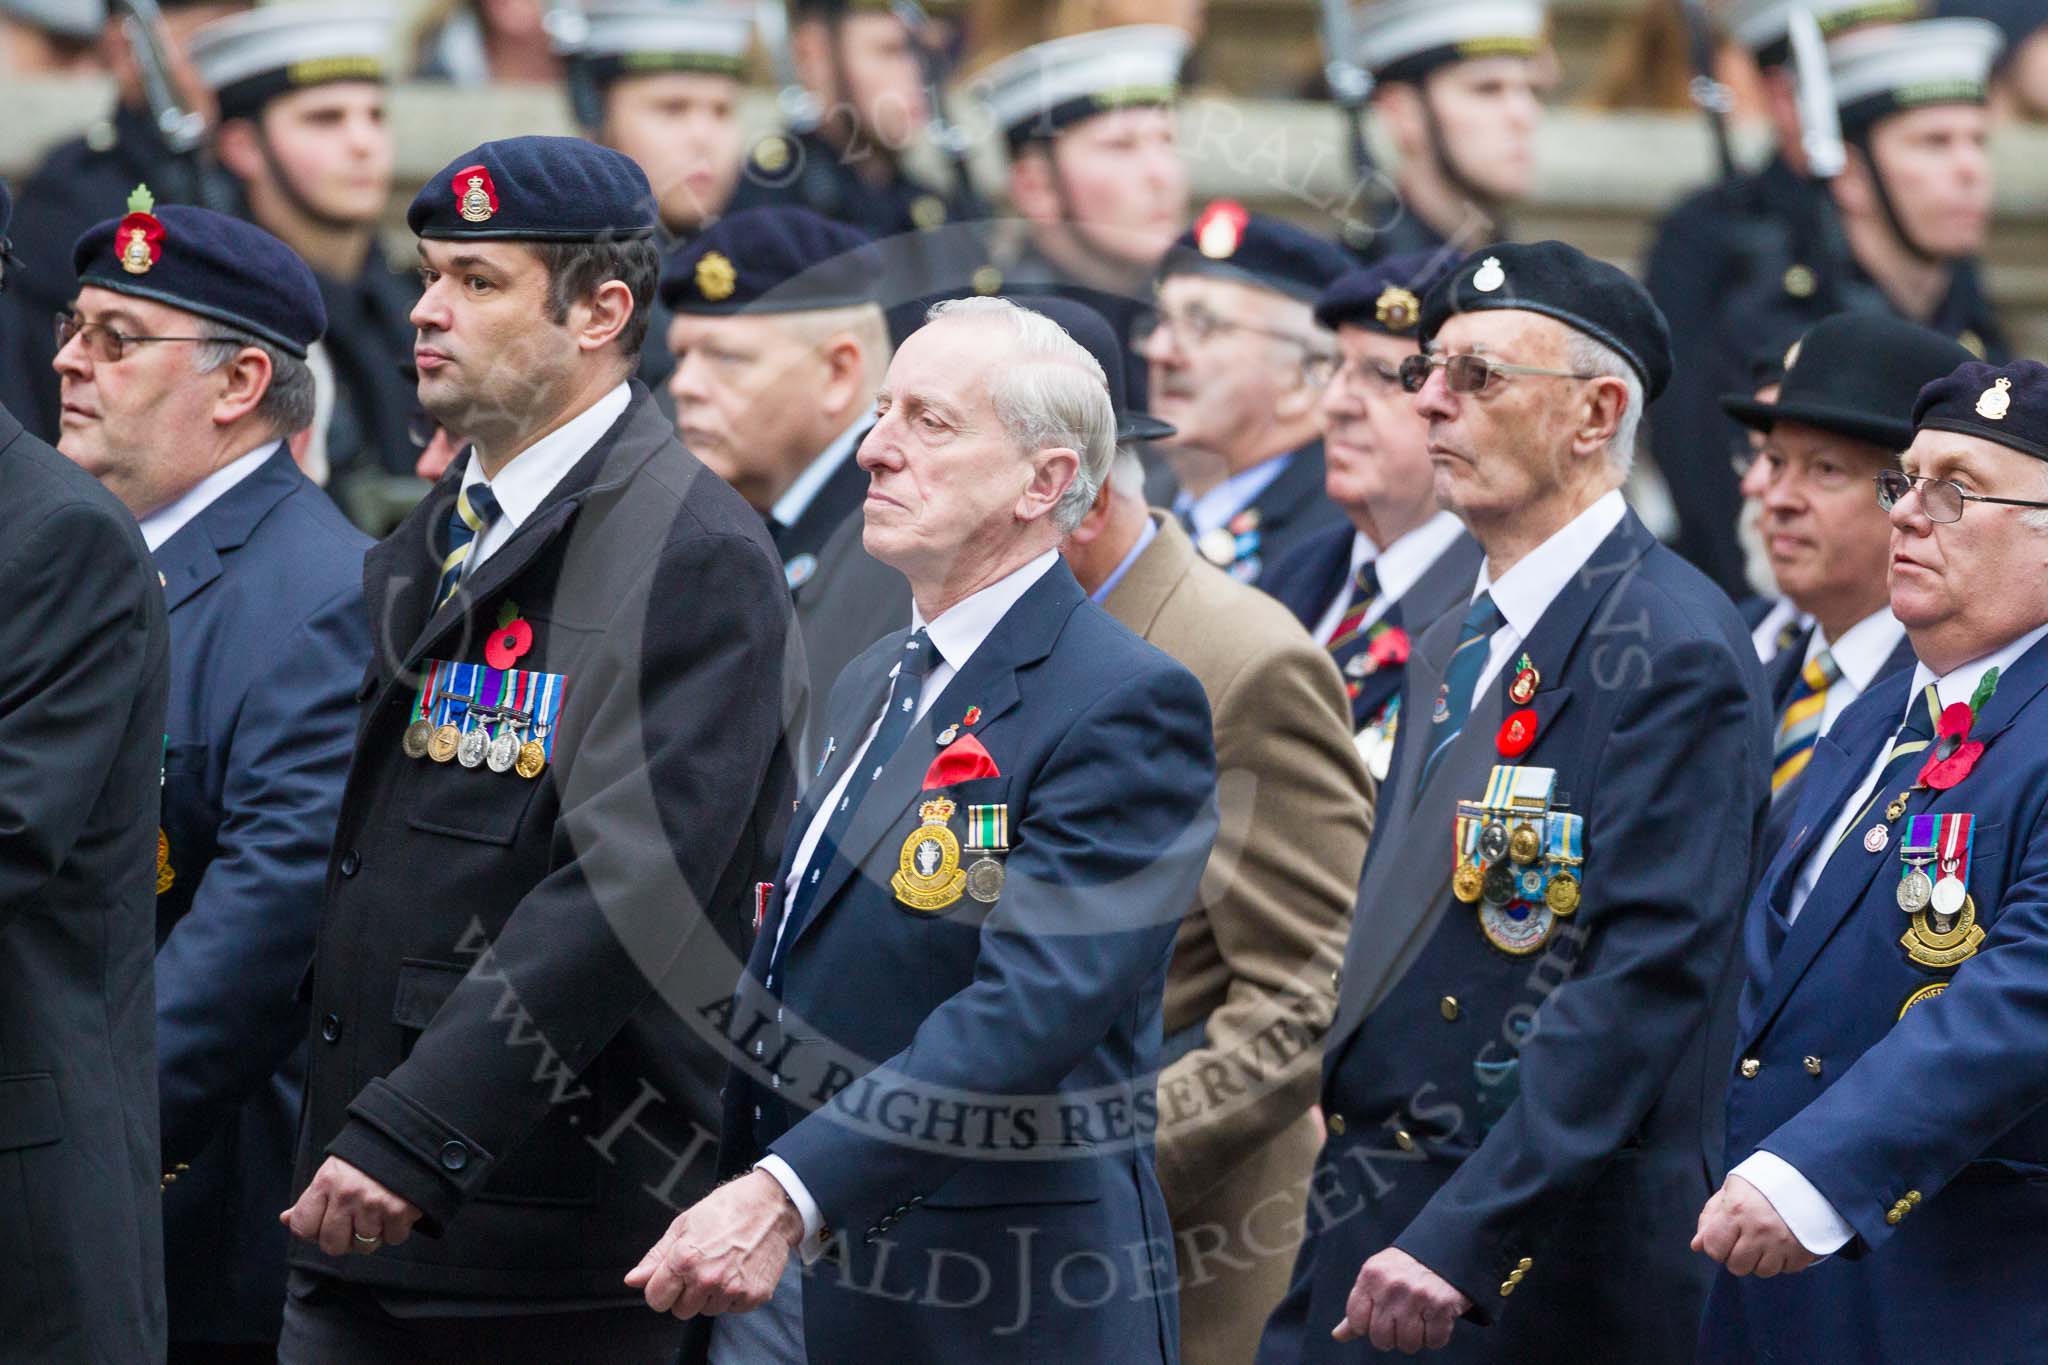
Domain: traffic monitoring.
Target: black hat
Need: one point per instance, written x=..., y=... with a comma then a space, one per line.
x=1093, y=331
x=552, y=189
x=1565, y=283
x=2007, y=404
x=775, y=259
x=1229, y=242
x=1385, y=296
x=205, y=263
x=1856, y=375
x=251, y=58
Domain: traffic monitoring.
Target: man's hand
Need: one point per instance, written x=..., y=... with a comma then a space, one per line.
x=1741, y=1230
x=1401, y=1304
x=724, y=1253
x=344, y=1210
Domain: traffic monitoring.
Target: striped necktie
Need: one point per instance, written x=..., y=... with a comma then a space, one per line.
x=1800, y=726
x=1365, y=590
x=1461, y=678
x=1901, y=760
x=476, y=507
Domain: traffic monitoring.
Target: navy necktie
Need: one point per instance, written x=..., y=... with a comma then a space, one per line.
x=1461, y=678
x=899, y=713
x=476, y=507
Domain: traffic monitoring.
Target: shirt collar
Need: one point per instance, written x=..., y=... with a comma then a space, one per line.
x=1864, y=647
x=799, y=495
x=1783, y=613
x=1116, y=575
x=528, y=477
x=1401, y=565
x=1363, y=551
x=961, y=628
x=1959, y=683
x=1526, y=591
x=160, y=525
x=1226, y=499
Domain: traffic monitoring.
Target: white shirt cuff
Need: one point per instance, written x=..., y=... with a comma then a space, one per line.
x=813, y=1245
x=1806, y=1211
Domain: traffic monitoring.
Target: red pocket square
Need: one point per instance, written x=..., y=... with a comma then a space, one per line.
x=961, y=761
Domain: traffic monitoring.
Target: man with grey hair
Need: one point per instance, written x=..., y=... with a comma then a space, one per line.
x=1515, y=1084
x=949, y=1023
x=183, y=385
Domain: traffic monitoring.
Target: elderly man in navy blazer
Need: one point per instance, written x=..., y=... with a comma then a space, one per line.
x=951, y=1018
x=1513, y=1083
x=1885, y=1101
x=263, y=577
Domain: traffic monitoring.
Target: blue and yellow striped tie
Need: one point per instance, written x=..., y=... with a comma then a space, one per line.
x=476, y=507
x=1800, y=726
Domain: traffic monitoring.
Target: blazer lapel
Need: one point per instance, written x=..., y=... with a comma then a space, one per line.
x=1142, y=593
x=190, y=559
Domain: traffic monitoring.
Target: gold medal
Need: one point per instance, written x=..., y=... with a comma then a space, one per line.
x=441, y=748
x=985, y=880
x=928, y=876
x=417, y=736
x=1562, y=895
x=532, y=758
x=1467, y=882
x=1525, y=845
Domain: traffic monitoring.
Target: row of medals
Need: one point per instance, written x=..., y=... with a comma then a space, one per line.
x=1497, y=885
x=473, y=748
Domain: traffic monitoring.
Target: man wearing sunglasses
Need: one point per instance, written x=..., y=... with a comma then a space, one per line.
x=1236, y=362
x=1885, y=1099
x=1843, y=411
x=1513, y=1082
x=184, y=381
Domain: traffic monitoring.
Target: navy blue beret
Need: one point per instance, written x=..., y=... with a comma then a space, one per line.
x=1385, y=296
x=1099, y=339
x=552, y=189
x=2003, y=403
x=774, y=259
x=1232, y=243
x=1565, y=283
x=205, y=263
x=1857, y=375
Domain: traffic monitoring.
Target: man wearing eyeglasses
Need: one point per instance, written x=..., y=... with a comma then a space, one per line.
x=1513, y=1083
x=1366, y=586
x=184, y=378
x=1843, y=410
x=1237, y=363
x=1885, y=1100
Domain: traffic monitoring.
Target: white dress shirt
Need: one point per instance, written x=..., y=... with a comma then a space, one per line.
x=160, y=525
x=1526, y=591
x=1784, y=612
x=1811, y=1218
x=956, y=635
x=798, y=497
x=1399, y=566
x=1860, y=654
x=1211, y=509
x=528, y=477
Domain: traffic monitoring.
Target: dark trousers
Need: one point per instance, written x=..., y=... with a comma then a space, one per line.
x=328, y=1322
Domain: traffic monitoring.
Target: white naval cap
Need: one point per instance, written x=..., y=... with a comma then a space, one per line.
x=65, y=18
x=1765, y=26
x=1407, y=39
x=627, y=37
x=251, y=58
x=1048, y=86
x=1882, y=71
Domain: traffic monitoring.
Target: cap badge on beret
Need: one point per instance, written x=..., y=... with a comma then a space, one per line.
x=716, y=278
x=1996, y=401
x=140, y=235
x=476, y=196
x=1220, y=228
x=1489, y=276
x=1397, y=309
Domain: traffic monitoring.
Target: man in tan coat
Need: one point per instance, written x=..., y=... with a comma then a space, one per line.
x=1252, y=984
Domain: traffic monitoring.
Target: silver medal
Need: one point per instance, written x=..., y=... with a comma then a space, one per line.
x=470, y=752
x=504, y=752
x=1915, y=892
x=1493, y=842
x=1948, y=896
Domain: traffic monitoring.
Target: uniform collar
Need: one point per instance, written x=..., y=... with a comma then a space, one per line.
x=1226, y=499
x=528, y=477
x=1526, y=591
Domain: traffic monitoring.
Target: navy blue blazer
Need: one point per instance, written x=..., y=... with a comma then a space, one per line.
x=1028, y=1029
x=268, y=642
x=1291, y=509
x=1524, y=1126
x=1878, y=1088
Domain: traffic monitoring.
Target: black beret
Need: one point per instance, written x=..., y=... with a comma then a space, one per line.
x=774, y=259
x=553, y=189
x=1385, y=296
x=1565, y=283
x=205, y=263
x=1857, y=375
x=1229, y=242
x=2003, y=403
x=1093, y=331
